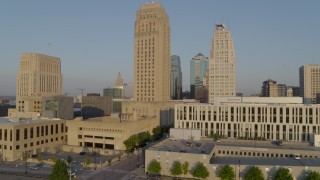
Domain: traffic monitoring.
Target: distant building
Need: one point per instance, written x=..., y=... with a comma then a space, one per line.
x=117, y=94
x=222, y=65
x=201, y=94
x=4, y=109
x=198, y=70
x=4, y=101
x=38, y=76
x=152, y=54
x=293, y=91
x=175, y=78
x=270, y=88
x=309, y=78
x=57, y=107
x=96, y=106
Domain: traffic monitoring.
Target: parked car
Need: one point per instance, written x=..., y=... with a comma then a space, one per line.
x=34, y=167
x=82, y=153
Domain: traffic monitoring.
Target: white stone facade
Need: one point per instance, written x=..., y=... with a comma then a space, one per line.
x=292, y=122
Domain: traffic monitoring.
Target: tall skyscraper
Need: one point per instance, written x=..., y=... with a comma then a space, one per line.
x=175, y=78
x=152, y=54
x=198, y=70
x=309, y=78
x=271, y=88
x=222, y=66
x=38, y=76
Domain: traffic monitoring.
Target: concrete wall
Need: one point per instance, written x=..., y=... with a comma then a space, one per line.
x=185, y=134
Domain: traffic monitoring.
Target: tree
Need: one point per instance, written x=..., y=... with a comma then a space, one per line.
x=87, y=161
x=59, y=171
x=226, y=173
x=185, y=167
x=254, y=174
x=313, y=175
x=131, y=143
x=283, y=174
x=109, y=161
x=176, y=168
x=69, y=159
x=40, y=158
x=154, y=167
x=200, y=171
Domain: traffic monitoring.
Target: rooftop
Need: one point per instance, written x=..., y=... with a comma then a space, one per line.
x=196, y=147
x=266, y=161
x=21, y=121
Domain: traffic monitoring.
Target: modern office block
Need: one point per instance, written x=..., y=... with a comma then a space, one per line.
x=309, y=78
x=152, y=54
x=198, y=70
x=222, y=65
x=175, y=78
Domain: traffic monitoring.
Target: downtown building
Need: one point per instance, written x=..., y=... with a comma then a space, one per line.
x=38, y=76
x=222, y=65
x=271, y=88
x=285, y=118
x=152, y=54
x=175, y=78
x=309, y=79
x=198, y=70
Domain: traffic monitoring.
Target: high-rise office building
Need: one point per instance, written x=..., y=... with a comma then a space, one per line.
x=117, y=94
x=175, y=78
x=152, y=54
x=222, y=66
x=309, y=78
x=38, y=76
x=198, y=70
x=271, y=88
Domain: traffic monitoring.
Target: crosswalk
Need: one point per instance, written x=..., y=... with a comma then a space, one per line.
x=117, y=170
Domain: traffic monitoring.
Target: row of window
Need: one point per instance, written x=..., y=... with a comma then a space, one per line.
x=31, y=132
x=260, y=154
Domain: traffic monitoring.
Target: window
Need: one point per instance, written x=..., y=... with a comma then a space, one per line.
x=31, y=132
x=25, y=132
x=47, y=130
x=17, y=147
x=17, y=134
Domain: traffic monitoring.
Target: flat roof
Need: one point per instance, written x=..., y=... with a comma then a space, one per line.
x=268, y=144
x=205, y=146
x=21, y=121
x=266, y=161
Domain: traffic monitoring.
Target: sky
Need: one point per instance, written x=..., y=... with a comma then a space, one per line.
x=94, y=39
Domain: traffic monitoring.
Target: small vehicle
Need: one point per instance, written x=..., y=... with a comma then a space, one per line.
x=71, y=173
x=172, y=139
x=218, y=141
x=296, y=156
x=82, y=153
x=34, y=167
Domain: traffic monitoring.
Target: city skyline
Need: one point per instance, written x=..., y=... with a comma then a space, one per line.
x=82, y=34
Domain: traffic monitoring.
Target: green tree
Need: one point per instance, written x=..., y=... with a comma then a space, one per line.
x=154, y=167
x=200, y=171
x=40, y=158
x=87, y=161
x=156, y=132
x=109, y=161
x=59, y=171
x=313, y=175
x=176, y=169
x=185, y=167
x=254, y=174
x=283, y=174
x=131, y=143
x=69, y=159
x=226, y=173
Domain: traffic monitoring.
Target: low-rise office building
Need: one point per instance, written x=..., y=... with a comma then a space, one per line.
x=272, y=119
x=107, y=132
x=19, y=136
x=169, y=151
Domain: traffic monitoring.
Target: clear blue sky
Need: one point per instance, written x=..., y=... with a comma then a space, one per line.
x=94, y=39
